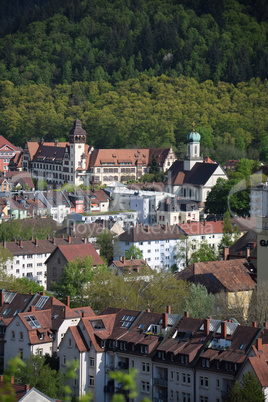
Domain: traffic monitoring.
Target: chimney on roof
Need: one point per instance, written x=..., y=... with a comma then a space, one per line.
x=247, y=252
x=164, y=320
x=69, y=239
x=148, y=310
x=259, y=344
x=1, y=378
x=186, y=313
x=42, y=293
x=56, y=143
x=123, y=260
x=54, y=241
x=32, y=308
x=27, y=387
x=223, y=329
x=67, y=302
x=206, y=326
x=32, y=238
x=103, y=223
x=265, y=324
x=83, y=314
x=225, y=253
x=167, y=201
x=62, y=236
x=254, y=324
x=36, y=242
x=20, y=243
x=85, y=240
x=168, y=309
x=2, y=296
x=12, y=380
x=15, y=198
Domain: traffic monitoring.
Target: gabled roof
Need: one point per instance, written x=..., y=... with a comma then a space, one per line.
x=230, y=275
x=151, y=233
x=4, y=141
x=202, y=228
x=72, y=251
x=40, y=246
x=198, y=175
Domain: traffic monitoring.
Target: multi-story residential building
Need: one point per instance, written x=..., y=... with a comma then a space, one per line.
x=177, y=358
x=7, y=151
x=29, y=257
x=62, y=254
x=160, y=244
x=231, y=278
x=34, y=324
x=192, y=178
x=173, y=210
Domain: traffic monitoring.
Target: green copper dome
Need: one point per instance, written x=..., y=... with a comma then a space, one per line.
x=193, y=136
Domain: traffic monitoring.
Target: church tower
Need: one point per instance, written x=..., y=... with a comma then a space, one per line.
x=77, y=140
x=193, y=150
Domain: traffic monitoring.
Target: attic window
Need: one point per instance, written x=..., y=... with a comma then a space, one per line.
x=141, y=326
x=32, y=321
x=97, y=324
x=16, y=312
x=7, y=310
x=242, y=346
x=41, y=302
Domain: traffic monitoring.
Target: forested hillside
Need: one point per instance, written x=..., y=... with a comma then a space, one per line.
x=137, y=72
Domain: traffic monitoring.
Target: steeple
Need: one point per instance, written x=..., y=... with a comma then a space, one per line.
x=77, y=135
x=193, y=149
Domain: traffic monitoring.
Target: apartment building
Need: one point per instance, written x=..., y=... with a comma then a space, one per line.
x=29, y=256
x=7, y=151
x=178, y=358
x=160, y=244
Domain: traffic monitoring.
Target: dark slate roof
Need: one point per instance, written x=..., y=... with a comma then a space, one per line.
x=198, y=175
x=151, y=233
x=239, y=248
x=49, y=154
x=175, y=204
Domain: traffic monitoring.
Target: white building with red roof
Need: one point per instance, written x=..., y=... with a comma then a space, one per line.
x=7, y=152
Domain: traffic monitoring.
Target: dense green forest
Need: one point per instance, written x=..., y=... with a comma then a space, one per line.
x=137, y=73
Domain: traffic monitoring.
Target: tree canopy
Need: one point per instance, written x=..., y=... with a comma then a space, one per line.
x=76, y=274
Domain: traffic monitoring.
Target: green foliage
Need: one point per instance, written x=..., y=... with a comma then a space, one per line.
x=249, y=389
x=26, y=229
x=76, y=274
x=20, y=285
x=133, y=252
x=163, y=289
x=7, y=393
x=199, y=303
x=128, y=382
x=5, y=257
x=203, y=253
x=231, y=194
x=106, y=243
x=39, y=375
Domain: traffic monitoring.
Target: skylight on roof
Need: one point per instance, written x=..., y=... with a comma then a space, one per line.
x=141, y=326
x=126, y=324
x=9, y=296
x=16, y=312
x=128, y=318
x=41, y=302
x=7, y=310
x=32, y=321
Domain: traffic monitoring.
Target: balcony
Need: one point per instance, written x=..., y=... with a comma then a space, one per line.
x=161, y=382
x=108, y=389
x=123, y=365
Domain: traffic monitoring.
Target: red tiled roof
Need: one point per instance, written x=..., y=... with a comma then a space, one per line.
x=72, y=251
x=4, y=141
x=79, y=339
x=202, y=228
x=230, y=275
x=20, y=390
